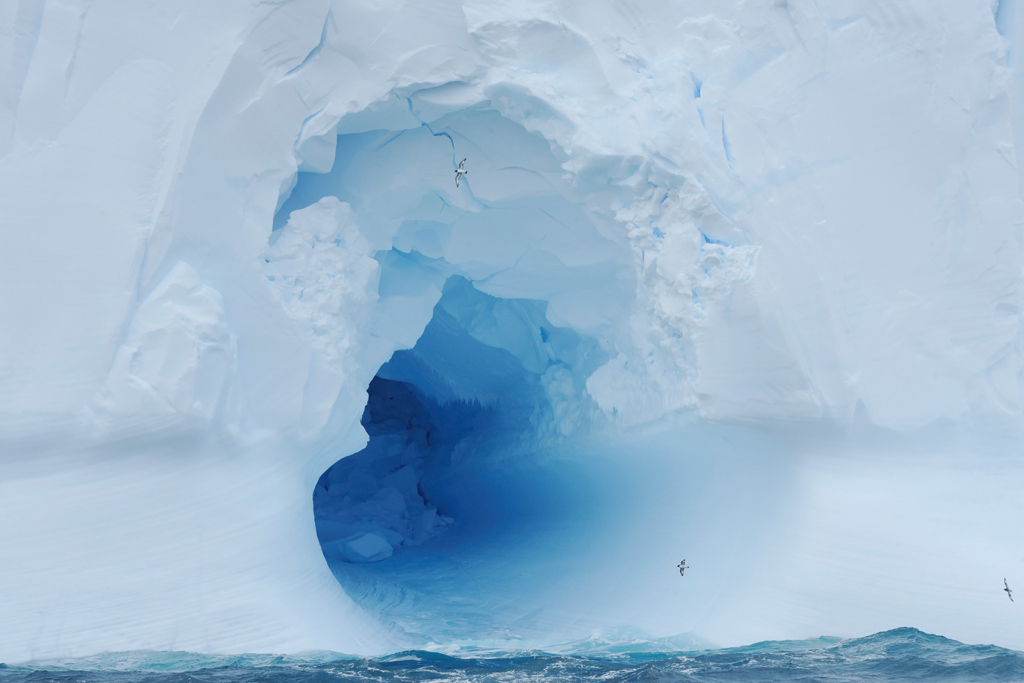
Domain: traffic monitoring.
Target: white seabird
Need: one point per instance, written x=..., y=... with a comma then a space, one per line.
x=460, y=171
x=1008, y=591
x=683, y=567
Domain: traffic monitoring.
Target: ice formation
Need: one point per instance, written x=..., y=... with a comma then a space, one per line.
x=739, y=282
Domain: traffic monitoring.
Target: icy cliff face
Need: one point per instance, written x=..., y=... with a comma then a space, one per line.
x=731, y=281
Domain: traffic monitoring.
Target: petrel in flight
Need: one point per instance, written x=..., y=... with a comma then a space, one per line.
x=1009, y=592
x=683, y=567
x=460, y=171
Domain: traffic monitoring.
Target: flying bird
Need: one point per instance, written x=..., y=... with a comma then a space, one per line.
x=1009, y=592
x=683, y=567
x=460, y=171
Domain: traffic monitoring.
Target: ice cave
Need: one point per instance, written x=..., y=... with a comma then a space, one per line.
x=463, y=425
x=731, y=282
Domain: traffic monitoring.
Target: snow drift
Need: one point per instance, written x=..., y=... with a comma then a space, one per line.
x=735, y=283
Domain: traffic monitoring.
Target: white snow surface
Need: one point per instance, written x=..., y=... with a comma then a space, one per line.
x=792, y=228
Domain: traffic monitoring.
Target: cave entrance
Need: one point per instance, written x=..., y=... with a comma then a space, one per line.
x=477, y=514
x=463, y=517
x=456, y=480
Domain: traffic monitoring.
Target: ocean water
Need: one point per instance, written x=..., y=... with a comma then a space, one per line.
x=904, y=654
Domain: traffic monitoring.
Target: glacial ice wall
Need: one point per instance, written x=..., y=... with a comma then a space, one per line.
x=786, y=235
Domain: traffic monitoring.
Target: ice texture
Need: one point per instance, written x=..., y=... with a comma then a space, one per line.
x=736, y=282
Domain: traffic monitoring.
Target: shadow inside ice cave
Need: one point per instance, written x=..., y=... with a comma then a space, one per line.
x=438, y=524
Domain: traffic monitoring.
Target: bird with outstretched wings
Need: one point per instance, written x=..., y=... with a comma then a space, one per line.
x=460, y=171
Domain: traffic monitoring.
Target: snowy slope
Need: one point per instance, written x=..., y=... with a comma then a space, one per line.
x=770, y=247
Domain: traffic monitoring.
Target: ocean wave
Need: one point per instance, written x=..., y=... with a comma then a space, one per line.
x=903, y=654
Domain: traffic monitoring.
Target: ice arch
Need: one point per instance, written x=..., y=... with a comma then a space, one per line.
x=521, y=288
x=491, y=310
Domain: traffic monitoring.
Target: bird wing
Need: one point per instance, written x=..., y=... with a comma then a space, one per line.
x=456, y=180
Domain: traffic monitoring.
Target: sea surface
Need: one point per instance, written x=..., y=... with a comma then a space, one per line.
x=903, y=654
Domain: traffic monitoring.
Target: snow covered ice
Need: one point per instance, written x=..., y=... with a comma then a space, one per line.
x=736, y=282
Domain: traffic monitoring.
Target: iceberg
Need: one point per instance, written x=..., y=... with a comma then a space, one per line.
x=735, y=283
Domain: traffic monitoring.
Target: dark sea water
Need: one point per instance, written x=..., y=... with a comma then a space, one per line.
x=900, y=655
